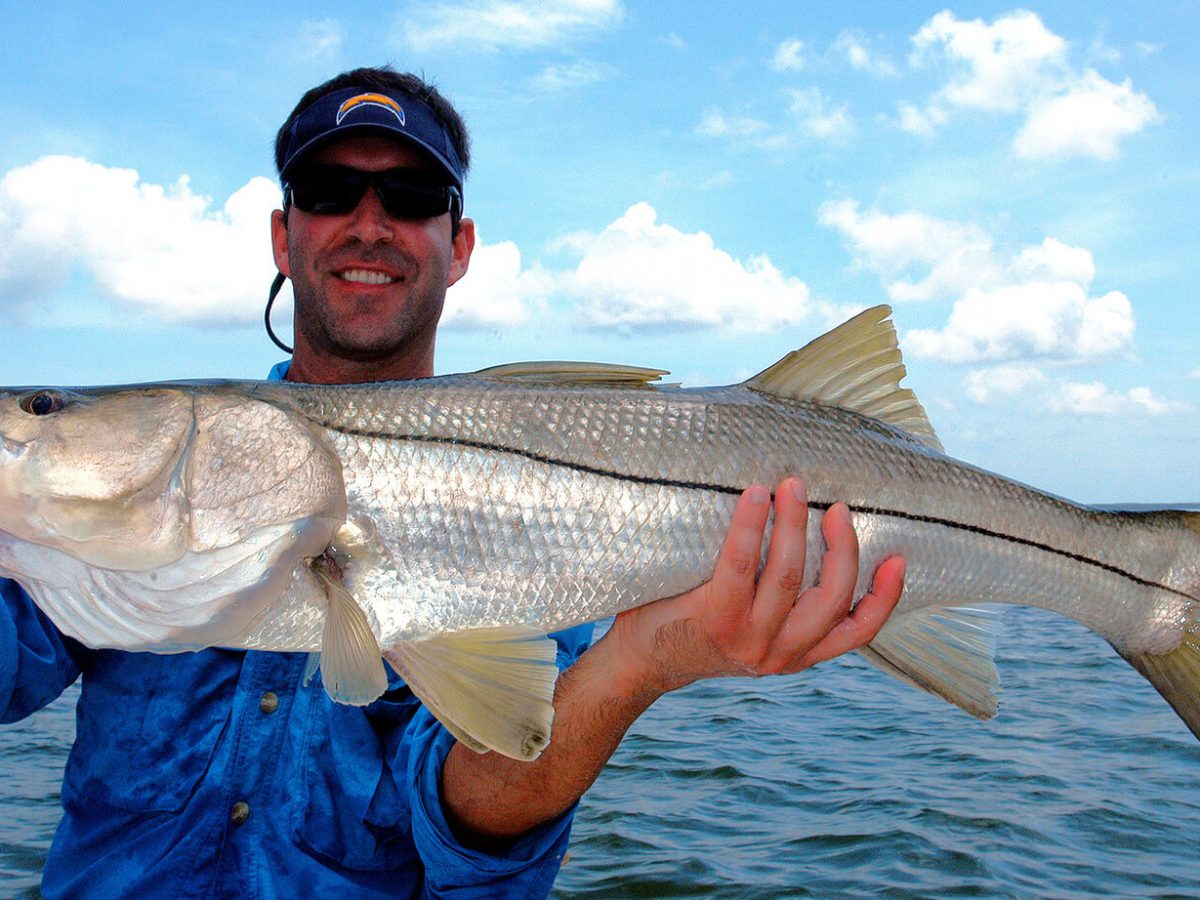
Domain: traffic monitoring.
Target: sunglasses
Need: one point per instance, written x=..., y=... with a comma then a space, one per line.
x=329, y=190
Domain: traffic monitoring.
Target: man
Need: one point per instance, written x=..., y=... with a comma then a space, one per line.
x=220, y=772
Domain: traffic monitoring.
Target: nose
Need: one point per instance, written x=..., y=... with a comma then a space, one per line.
x=369, y=221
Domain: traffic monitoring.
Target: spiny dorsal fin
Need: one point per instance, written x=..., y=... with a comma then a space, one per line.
x=856, y=366
x=555, y=372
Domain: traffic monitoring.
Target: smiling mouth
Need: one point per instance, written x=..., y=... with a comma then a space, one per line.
x=366, y=276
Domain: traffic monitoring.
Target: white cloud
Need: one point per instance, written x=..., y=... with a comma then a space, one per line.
x=811, y=119
x=1087, y=120
x=954, y=255
x=1000, y=66
x=1030, y=386
x=1102, y=53
x=675, y=41
x=161, y=249
x=860, y=57
x=319, y=39
x=1097, y=399
x=789, y=56
x=495, y=292
x=515, y=24
x=985, y=385
x=1017, y=66
x=921, y=121
x=640, y=273
x=174, y=255
x=808, y=108
x=714, y=123
x=721, y=179
x=1054, y=260
x=1031, y=320
x=1195, y=374
x=1035, y=304
x=566, y=77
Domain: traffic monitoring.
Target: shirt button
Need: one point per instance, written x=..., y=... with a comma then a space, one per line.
x=240, y=812
x=269, y=702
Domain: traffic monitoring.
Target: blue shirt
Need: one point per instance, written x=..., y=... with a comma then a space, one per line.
x=218, y=773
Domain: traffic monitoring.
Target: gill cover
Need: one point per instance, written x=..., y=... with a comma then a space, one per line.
x=98, y=476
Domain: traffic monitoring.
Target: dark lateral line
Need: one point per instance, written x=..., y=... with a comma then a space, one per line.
x=726, y=489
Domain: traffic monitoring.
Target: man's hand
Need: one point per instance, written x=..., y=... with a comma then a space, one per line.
x=743, y=622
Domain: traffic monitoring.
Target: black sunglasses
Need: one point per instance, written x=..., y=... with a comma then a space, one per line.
x=329, y=190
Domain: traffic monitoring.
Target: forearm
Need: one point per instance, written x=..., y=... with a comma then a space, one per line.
x=490, y=798
x=742, y=622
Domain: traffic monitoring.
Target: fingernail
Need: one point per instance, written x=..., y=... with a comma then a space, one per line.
x=800, y=490
x=758, y=494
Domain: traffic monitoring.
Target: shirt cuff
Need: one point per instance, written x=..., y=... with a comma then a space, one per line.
x=527, y=866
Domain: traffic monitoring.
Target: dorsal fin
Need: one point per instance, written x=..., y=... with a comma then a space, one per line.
x=555, y=372
x=856, y=366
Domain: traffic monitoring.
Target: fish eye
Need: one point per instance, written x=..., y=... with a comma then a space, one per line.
x=43, y=403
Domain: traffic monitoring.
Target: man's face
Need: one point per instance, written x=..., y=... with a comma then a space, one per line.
x=369, y=288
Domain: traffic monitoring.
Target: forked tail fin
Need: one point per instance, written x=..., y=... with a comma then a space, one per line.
x=1176, y=674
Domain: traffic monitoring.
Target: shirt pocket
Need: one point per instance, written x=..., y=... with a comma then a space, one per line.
x=351, y=807
x=147, y=726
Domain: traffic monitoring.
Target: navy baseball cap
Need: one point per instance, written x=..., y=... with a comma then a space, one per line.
x=354, y=111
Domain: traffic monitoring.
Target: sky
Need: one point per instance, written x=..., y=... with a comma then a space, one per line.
x=695, y=187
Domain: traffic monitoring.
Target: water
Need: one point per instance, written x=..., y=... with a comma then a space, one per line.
x=840, y=781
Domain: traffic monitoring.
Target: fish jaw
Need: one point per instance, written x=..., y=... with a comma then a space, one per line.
x=200, y=600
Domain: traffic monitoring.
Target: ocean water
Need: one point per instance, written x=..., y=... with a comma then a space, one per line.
x=840, y=781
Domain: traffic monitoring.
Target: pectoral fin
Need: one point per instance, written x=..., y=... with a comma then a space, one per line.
x=493, y=688
x=351, y=663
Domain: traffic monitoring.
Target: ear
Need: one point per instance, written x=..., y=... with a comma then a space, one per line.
x=460, y=251
x=279, y=241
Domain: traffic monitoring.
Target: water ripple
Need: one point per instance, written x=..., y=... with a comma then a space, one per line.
x=840, y=782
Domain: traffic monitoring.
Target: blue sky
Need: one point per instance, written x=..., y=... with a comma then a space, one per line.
x=695, y=187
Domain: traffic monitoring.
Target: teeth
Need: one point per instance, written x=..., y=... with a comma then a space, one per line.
x=366, y=276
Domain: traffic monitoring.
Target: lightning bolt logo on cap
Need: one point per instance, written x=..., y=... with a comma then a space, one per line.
x=378, y=100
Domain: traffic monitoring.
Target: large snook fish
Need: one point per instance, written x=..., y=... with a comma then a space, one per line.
x=450, y=523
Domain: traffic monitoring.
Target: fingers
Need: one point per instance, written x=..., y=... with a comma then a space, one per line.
x=839, y=565
x=782, y=577
x=731, y=591
x=746, y=622
x=864, y=621
x=821, y=624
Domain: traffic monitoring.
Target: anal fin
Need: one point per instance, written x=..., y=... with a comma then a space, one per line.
x=493, y=688
x=947, y=651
